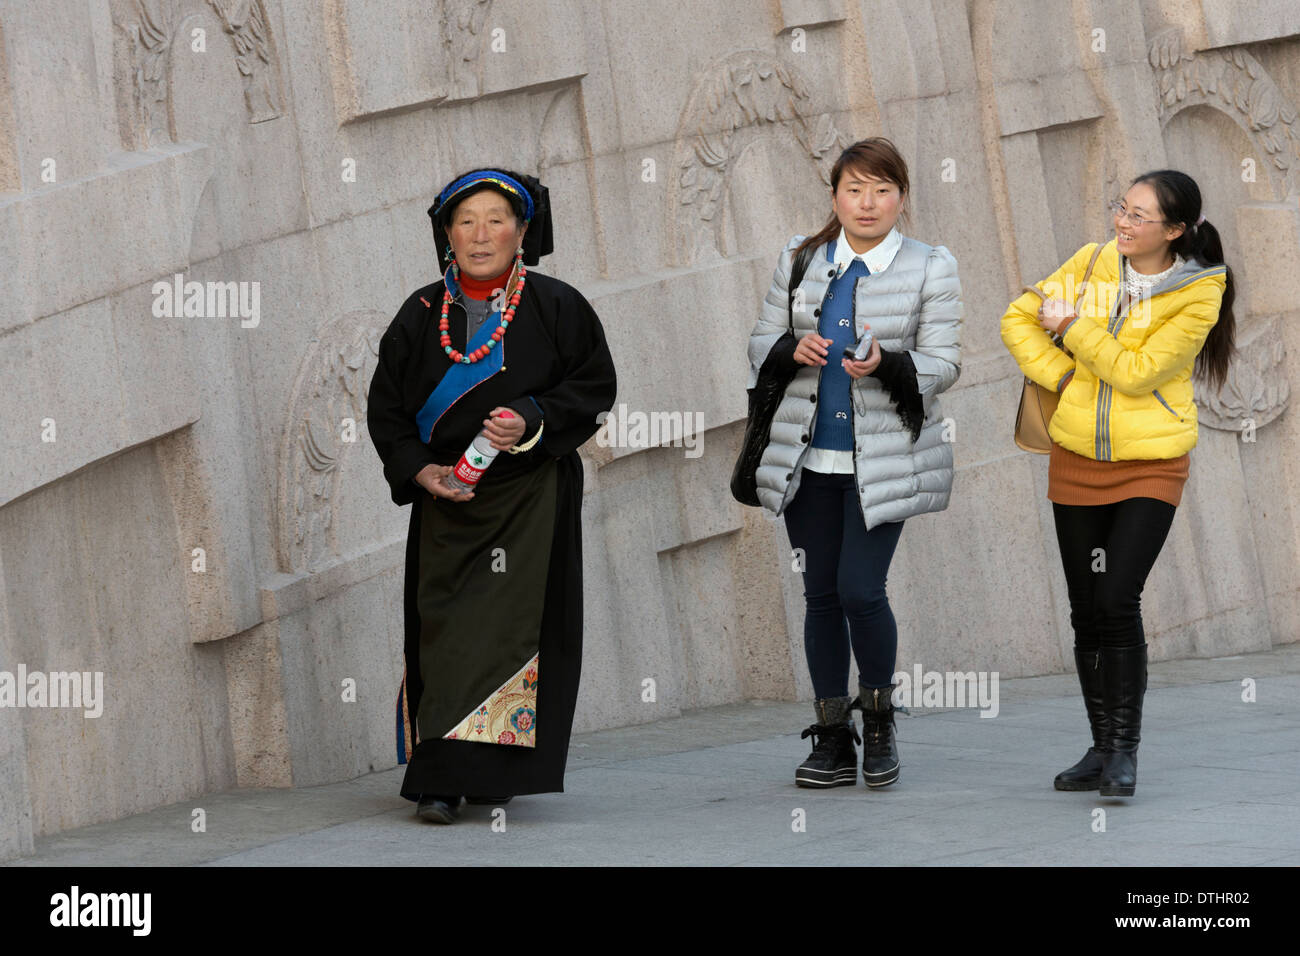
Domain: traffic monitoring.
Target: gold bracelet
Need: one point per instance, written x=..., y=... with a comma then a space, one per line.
x=516, y=449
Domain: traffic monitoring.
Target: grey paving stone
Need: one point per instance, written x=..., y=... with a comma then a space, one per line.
x=1217, y=785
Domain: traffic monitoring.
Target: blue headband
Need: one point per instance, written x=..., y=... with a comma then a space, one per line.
x=494, y=176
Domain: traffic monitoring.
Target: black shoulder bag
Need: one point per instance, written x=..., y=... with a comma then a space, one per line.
x=773, y=377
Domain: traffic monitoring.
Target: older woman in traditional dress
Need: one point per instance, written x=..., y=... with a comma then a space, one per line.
x=493, y=585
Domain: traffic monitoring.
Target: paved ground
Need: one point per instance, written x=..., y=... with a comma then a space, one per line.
x=1218, y=784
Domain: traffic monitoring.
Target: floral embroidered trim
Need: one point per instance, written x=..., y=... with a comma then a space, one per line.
x=508, y=716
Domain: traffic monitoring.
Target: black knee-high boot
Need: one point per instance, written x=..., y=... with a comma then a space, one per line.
x=1086, y=774
x=1124, y=682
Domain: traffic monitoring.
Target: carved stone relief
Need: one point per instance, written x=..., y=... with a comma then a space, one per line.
x=147, y=34
x=1234, y=83
x=245, y=22
x=460, y=22
x=330, y=388
x=727, y=111
x=1256, y=389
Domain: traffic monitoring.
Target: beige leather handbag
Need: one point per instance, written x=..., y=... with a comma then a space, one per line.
x=1038, y=404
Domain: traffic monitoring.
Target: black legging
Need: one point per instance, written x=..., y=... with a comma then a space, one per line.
x=845, y=569
x=1105, y=606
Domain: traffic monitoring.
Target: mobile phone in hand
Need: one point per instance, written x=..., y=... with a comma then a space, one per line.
x=860, y=352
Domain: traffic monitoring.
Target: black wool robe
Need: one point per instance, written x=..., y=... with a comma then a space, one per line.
x=558, y=374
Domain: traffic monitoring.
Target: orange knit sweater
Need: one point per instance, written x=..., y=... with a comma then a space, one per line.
x=1075, y=480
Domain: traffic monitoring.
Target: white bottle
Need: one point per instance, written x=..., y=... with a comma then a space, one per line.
x=478, y=456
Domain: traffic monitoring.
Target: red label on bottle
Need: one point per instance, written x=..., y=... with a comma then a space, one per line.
x=467, y=473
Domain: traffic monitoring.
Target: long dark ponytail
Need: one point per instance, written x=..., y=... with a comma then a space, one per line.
x=878, y=158
x=1180, y=204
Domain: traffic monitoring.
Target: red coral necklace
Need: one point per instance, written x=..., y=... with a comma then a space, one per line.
x=506, y=317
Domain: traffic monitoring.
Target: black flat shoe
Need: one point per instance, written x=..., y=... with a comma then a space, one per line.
x=488, y=801
x=435, y=809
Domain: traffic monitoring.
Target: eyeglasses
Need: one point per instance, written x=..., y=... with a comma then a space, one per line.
x=1121, y=213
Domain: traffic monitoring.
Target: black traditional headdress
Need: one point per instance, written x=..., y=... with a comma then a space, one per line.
x=528, y=197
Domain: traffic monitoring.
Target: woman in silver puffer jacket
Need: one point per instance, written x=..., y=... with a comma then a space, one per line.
x=857, y=447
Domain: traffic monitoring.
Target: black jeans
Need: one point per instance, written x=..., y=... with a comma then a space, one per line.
x=845, y=566
x=1107, y=552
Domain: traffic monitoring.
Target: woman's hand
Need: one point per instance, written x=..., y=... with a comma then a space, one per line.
x=504, y=428
x=868, y=365
x=1055, y=314
x=811, y=349
x=430, y=478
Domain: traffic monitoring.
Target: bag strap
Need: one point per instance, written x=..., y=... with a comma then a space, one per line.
x=1087, y=275
x=797, y=269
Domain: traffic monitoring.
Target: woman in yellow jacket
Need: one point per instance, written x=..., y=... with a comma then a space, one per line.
x=1157, y=308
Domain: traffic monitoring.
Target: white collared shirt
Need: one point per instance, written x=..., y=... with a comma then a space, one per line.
x=877, y=259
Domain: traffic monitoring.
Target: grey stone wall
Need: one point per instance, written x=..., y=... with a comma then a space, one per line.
x=294, y=146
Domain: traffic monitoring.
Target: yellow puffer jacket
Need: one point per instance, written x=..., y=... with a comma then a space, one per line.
x=1131, y=393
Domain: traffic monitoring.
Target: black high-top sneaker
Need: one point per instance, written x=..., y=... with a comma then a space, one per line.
x=834, y=760
x=1086, y=774
x=879, y=751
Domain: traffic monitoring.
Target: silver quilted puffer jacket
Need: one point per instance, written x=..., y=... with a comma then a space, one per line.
x=915, y=304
